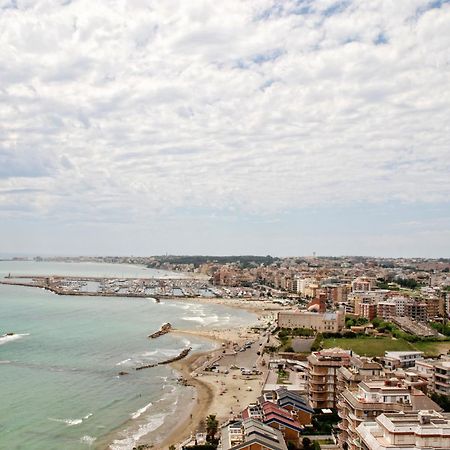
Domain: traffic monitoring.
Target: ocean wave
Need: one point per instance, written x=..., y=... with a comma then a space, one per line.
x=12, y=337
x=89, y=440
x=141, y=411
x=202, y=319
x=71, y=422
x=123, y=362
x=128, y=442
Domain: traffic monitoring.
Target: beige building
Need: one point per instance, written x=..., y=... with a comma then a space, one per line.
x=372, y=398
x=411, y=431
x=323, y=383
x=331, y=322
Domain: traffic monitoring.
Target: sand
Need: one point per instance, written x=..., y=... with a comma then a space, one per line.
x=224, y=395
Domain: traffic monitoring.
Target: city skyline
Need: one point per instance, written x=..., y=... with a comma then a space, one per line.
x=257, y=127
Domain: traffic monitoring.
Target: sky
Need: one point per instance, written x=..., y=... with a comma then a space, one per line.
x=144, y=127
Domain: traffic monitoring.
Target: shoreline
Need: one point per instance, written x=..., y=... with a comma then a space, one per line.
x=211, y=396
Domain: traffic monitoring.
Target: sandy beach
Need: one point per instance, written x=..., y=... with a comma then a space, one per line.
x=221, y=394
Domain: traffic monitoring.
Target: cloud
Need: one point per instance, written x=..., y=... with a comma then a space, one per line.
x=126, y=110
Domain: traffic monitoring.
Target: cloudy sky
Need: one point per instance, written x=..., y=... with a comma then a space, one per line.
x=277, y=127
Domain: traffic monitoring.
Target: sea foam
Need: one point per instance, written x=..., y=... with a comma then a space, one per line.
x=13, y=337
x=141, y=411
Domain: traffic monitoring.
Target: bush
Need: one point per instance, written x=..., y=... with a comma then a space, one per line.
x=317, y=343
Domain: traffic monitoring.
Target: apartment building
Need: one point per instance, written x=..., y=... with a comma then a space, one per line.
x=367, y=310
x=442, y=378
x=406, y=431
x=394, y=360
x=386, y=309
x=360, y=369
x=372, y=398
x=323, y=370
x=361, y=284
x=327, y=322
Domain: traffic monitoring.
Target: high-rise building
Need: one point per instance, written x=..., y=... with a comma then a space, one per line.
x=323, y=369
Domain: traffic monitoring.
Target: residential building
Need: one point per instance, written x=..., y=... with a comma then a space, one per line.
x=442, y=378
x=361, y=284
x=372, y=398
x=411, y=431
x=250, y=434
x=367, y=310
x=323, y=369
x=296, y=404
x=386, y=309
x=394, y=360
x=360, y=369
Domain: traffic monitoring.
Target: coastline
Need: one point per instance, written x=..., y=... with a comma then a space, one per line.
x=213, y=393
x=218, y=394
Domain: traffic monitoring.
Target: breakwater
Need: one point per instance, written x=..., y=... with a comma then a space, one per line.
x=162, y=331
x=182, y=355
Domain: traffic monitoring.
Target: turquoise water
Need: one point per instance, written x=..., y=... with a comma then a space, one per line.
x=59, y=375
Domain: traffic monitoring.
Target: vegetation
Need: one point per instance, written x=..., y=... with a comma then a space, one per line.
x=376, y=346
x=212, y=425
x=283, y=377
x=243, y=261
x=407, y=283
x=358, y=321
x=442, y=400
x=317, y=343
x=443, y=328
x=322, y=424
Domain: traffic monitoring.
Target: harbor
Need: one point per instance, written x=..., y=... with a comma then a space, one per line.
x=129, y=287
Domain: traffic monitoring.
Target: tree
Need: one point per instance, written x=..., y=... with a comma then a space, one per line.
x=212, y=426
x=306, y=442
x=172, y=447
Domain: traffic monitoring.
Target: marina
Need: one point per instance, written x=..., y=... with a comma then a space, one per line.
x=128, y=287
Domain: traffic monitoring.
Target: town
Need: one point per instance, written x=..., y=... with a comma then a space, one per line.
x=352, y=353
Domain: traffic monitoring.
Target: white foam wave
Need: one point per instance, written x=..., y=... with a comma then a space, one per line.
x=202, y=319
x=130, y=441
x=12, y=337
x=194, y=319
x=89, y=440
x=123, y=362
x=68, y=422
x=141, y=411
x=71, y=422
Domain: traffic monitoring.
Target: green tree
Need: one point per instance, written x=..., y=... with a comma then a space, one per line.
x=306, y=442
x=212, y=425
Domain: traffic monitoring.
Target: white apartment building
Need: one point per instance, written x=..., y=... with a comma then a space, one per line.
x=424, y=430
x=394, y=360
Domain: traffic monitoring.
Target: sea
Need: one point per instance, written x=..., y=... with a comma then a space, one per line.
x=59, y=382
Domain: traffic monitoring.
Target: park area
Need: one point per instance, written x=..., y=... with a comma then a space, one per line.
x=372, y=346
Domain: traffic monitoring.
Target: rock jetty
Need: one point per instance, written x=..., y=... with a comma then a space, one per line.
x=182, y=355
x=165, y=328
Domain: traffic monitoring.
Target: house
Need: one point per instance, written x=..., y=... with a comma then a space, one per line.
x=250, y=434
